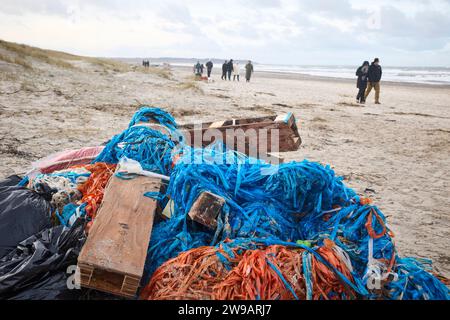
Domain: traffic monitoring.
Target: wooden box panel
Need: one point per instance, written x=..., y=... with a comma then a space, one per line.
x=114, y=254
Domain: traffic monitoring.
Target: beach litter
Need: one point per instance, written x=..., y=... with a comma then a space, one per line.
x=287, y=231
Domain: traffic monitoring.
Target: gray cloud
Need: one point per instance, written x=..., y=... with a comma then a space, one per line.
x=269, y=30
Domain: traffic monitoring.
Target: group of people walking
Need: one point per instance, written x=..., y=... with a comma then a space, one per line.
x=232, y=67
x=229, y=68
x=369, y=76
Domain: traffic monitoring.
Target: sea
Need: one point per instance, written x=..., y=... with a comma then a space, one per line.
x=421, y=75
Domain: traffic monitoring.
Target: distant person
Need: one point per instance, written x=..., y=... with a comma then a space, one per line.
x=361, y=83
x=229, y=69
x=374, y=75
x=248, y=71
x=224, y=70
x=209, y=66
x=198, y=69
x=236, y=69
x=202, y=67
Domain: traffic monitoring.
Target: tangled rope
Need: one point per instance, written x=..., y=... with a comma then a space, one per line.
x=60, y=187
x=258, y=249
x=94, y=187
x=241, y=270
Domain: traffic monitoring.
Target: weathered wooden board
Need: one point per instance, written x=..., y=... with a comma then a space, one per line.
x=288, y=135
x=113, y=257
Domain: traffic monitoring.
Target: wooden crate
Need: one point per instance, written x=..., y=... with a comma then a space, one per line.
x=113, y=257
x=289, y=138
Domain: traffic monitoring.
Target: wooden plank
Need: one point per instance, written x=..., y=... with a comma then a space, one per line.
x=113, y=257
x=206, y=209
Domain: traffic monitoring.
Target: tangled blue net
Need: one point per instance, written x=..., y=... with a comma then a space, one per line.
x=274, y=204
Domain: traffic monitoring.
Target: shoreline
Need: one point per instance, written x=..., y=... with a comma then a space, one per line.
x=301, y=76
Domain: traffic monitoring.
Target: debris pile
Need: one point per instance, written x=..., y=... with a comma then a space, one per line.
x=226, y=225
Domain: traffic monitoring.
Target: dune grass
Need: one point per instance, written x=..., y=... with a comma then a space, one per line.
x=190, y=85
x=23, y=62
x=22, y=54
x=158, y=71
x=6, y=58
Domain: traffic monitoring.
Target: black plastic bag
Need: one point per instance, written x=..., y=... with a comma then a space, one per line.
x=10, y=181
x=53, y=287
x=38, y=264
x=23, y=213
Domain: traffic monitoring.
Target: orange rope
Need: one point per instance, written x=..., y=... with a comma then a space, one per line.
x=94, y=188
x=200, y=274
x=369, y=227
x=191, y=275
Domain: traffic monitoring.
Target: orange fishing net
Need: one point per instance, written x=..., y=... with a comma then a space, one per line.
x=192, y=275
x=270, y=273
x=94, y=188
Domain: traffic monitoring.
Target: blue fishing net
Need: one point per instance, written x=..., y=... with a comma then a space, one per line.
x=276, y=203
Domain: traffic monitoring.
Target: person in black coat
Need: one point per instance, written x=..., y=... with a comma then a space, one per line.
x=224, y=70
x=230, y=69
x=374, y=76
x=361, y=83
x=209, y=66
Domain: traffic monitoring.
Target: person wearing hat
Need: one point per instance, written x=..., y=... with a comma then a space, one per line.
x=374, y=75
x=361, y=83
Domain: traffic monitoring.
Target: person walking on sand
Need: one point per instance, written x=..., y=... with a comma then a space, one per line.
x=209, y=66
x=374, y=75
x=236, y=69
x=229, y=69
x=361, y=83
x=198, y=69
x=224, y=70
x=248, y=71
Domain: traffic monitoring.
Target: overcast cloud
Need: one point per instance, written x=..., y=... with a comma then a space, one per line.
x=402, y=32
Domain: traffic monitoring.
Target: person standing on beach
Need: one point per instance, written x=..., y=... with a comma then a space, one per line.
x=248, y=70
x=209, y=66
x=374, y=75
x=224, y=70
x=361, y=83
x=236, y=68
x=198, y=69
x=229, y=69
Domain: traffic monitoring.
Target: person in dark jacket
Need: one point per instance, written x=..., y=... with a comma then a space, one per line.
x=374, y=76
x=248, y=71
x=230, y=69
x=224, y=70
x=361, y=83
x=198, y=70
x=209, y=66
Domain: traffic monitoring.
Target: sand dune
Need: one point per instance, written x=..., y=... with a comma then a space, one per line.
x=398, y=153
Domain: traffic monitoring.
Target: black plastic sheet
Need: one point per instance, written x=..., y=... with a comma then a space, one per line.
x=23, y=213
x=37, y=268
x=10, y=181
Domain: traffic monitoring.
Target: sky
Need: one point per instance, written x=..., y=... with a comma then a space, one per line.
x=301, y=32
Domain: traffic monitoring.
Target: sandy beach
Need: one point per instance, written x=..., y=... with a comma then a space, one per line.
x=397, y=153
